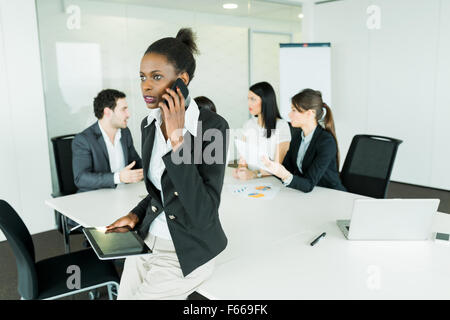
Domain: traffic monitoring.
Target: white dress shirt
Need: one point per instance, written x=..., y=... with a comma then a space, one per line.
x=256, y=135
x=161, y=147
x=115, y=153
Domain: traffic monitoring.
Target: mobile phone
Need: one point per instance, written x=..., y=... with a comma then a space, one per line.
x=183, y=88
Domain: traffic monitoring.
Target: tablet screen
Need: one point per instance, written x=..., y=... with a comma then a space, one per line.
x=115, y=243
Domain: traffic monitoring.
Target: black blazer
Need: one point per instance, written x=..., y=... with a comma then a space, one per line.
x=191, y=194
x=319, y=164
x=90, y=160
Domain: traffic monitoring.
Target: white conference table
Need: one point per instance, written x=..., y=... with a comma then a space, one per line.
x=100, y=207
x=269, y=256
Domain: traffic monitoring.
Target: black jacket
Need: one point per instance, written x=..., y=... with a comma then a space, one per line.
x=191, y=194
x=319, y=164
x=90, y=160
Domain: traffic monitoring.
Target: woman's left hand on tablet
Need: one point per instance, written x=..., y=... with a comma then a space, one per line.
x=173, y=115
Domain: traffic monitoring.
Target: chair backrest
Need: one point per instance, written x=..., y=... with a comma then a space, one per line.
x=19, y=239
x=368, y=165
x=62, y=148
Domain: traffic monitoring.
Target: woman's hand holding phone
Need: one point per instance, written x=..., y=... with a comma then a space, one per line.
x=173, y=115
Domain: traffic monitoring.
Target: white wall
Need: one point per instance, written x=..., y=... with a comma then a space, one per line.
x=393, y=81
x=441, y=143
x=24, y=165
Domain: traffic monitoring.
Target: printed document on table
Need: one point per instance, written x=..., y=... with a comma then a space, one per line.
x=261, y=190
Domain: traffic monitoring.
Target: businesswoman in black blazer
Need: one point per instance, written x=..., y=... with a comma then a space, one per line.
x=313, y=155
x=179, y=216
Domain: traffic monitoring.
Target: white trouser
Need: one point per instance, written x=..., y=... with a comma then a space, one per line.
x=158, y=275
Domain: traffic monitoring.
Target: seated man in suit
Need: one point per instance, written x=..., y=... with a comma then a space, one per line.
x=103, y=155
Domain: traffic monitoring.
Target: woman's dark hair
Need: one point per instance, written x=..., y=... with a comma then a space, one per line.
x=179, y=51
x=310, y=99
x=269, y=108
x=106, y=99
x=205, y=103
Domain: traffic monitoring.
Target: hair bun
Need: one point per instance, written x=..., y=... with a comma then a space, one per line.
x=186, y=36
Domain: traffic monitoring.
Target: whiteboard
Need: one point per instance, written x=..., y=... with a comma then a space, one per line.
x=304, y=65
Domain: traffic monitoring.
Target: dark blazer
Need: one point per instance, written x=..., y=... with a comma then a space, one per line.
x=90, y=160
x=319, y=164
x=191, y=194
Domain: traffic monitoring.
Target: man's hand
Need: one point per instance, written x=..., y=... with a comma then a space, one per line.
x=129, y=220
x=276, y=168
x=127, y=175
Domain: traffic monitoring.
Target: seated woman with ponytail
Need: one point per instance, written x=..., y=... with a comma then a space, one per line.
x=313, y=156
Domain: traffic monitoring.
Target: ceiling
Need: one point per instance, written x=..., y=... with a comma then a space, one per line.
x=286, y=10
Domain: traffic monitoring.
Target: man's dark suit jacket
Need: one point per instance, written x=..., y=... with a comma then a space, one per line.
x=319, y=164
x=191, y=195
x=90, y=160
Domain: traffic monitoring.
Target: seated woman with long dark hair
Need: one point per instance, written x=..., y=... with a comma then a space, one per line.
x=265, y=130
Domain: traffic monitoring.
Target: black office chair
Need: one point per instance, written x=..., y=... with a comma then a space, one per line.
x=368, y=165
x=47, y=279
x=62, y=148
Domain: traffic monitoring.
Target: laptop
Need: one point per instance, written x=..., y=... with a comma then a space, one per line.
x=390, y=219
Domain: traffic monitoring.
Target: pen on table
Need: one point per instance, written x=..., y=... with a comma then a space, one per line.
x=318, y=238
